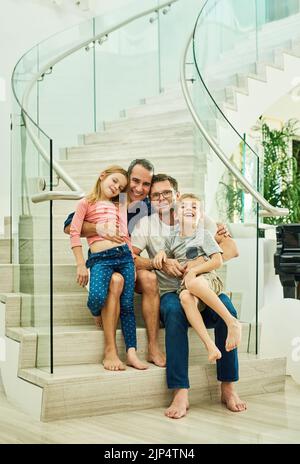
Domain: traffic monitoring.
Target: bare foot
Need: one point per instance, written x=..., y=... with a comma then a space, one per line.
x=112, y=362
x=133, y=360
x=213, y=352
x=180, y=404
x=98, y=322
x=231, y=399
x=156, y=357
x=234, y=335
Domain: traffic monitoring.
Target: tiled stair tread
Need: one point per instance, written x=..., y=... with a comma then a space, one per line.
x=98, y=137
x=74, y=373
x=17, y=332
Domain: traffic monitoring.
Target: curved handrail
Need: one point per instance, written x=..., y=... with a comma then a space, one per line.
x=268, y=209
x=78, y=193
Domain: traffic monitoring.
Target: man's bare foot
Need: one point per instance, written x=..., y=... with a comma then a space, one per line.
x=231, y=399
x=213, y=352
x=112, y=362
x=134, y=361
x=98, y=322
x=180, y=404
x=156, y=357
x=234, y=335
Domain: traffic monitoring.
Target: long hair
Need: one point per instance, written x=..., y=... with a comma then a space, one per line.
x=95, y=194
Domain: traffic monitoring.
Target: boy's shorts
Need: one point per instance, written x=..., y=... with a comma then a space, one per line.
x=214, y=283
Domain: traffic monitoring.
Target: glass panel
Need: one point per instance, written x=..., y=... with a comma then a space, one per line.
x=126, y=67
x=173, y=33
x=227, y=26
x=66, y=99
x=31, y=232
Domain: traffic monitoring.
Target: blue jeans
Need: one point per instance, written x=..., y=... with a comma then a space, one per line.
x=102, y=266
x=177, y=346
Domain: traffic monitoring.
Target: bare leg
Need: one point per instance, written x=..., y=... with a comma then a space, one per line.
x=190, y=306
x=231, y=399
x=98, y=322
x=110, y=316
x=147, y=285
x=200, y=288
x=180, y=404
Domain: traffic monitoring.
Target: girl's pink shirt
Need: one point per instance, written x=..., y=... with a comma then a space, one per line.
x=100, y=212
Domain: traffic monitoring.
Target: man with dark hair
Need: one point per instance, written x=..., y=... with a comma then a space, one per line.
x=150, y=234
x=140, y=178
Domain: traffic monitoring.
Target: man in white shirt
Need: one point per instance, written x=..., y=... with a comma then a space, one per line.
x=149, y=234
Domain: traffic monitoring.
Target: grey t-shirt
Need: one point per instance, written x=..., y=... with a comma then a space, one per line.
x=150, y=234
x=201, y=243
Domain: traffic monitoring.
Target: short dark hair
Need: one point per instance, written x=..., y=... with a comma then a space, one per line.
x=143, y=162
x=162, y=177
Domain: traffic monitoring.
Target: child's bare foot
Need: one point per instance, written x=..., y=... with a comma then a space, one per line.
x=234, y=335
x=112, y=362
x=98, y=322
x=213, y=352
x=133, y=360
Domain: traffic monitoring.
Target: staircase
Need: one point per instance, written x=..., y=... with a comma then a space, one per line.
x=158, y=128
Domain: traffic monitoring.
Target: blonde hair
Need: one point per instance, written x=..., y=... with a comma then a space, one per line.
x=95, y=194
x=184, y=196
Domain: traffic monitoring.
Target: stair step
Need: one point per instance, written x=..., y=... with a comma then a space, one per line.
x=36, y=251
x=134, y=135
x=166, y=147
x=35, y=278
x=149, y=121
x=158, y=106
x=69, y=309
x=8, y=272
x=39, y=225
x=161, y=162
x=89, y=390
x=85, y=344
x=4, y=250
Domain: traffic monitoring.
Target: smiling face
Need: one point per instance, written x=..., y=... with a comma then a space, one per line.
x=163, y=196
x=112, y=185
x=189, y=212
x=139, y=183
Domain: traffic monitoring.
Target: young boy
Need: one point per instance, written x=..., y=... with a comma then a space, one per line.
x=200, y=285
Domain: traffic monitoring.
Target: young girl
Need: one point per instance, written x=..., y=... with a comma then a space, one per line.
x=102, y=207
x=201, y=284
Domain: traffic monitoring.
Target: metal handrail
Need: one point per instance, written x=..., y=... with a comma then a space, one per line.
x=78, y=193
x=268, y=209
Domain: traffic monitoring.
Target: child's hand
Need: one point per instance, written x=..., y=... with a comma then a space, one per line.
x=82, y=277
x=159, y=259
x=135, y=275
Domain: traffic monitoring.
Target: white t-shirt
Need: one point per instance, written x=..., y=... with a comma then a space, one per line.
x=150, y=234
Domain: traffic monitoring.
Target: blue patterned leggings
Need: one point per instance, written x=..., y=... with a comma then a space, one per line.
x=102, y=266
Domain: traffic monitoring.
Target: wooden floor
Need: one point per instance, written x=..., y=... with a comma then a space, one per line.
x=270, y=418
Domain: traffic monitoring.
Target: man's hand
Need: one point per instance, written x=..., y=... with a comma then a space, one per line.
x=159, y=259
x=222, y=232
x=173, y=268
x=82, y=277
